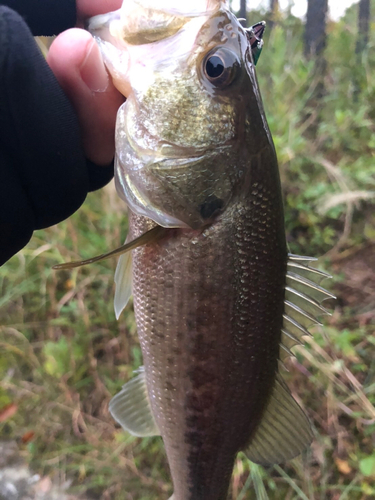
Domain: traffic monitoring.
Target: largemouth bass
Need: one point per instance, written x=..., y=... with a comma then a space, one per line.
x=218, y=301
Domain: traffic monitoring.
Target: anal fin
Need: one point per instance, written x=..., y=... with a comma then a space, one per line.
x=284, y=431
x=132, y=410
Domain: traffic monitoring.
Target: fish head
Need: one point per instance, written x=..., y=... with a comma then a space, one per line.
x=193, y=118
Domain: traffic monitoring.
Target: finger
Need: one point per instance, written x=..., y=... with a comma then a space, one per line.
x=88, y=8
x=75, y=59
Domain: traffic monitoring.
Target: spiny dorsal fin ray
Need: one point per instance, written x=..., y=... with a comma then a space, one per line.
x=282, y=365
x=284, y=431
x=303, y=317
x=289, y=340
x=132, y=410
x=306, y=303
x=300, y=258
x=302, y=305
x=285, y=352
x=308, y=287
x=294, y=327
x=308, y=272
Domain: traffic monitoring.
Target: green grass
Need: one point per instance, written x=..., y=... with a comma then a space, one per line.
x=63, y=354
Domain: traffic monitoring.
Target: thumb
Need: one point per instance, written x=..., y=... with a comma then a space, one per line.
x=75, y=59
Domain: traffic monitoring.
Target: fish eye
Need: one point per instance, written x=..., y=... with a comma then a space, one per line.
x=214, y=67
x=220, y=67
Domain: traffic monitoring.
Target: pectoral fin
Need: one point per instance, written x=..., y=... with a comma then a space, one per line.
x=149, y=237
x=123, y=280
x=284, y=431
x=132, y=410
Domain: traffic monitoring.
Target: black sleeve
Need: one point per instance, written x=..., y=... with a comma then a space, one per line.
x=45, y=17
x=44, y=176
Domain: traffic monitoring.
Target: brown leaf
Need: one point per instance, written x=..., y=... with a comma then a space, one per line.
x=8, y=411
x=27, y=437
x=343, y=466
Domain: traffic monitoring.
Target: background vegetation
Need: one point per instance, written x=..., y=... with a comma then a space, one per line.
x=63, y=354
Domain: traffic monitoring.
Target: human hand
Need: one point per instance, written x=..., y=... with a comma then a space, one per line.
x=44, y=176
x=75, y=59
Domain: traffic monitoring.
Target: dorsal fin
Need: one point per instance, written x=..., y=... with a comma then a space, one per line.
x=303, y=302
x=284, y=431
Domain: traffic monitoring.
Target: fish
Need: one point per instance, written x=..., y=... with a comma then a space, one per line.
x=219, y=301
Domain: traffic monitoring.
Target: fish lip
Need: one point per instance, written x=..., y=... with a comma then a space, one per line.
x=104, y=21
x=96, y=23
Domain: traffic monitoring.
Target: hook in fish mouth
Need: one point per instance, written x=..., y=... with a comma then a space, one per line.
x=255, y=36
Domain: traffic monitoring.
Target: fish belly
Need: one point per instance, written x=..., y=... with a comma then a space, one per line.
x=209, y=307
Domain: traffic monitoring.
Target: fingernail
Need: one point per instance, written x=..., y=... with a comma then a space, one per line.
x=93, y=71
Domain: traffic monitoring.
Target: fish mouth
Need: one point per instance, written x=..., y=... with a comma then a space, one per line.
x=125, y=36
x=140, y=22
x=104, y=28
